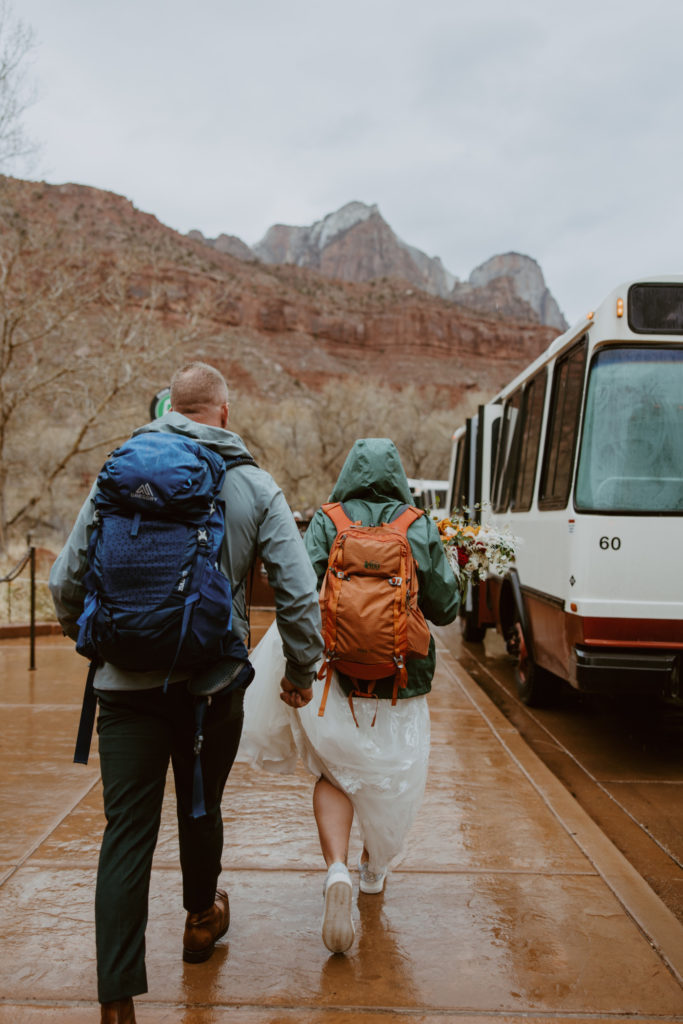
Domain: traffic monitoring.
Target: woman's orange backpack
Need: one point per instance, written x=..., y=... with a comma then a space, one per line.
x=371, y=622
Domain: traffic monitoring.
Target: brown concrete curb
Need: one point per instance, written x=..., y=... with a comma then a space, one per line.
x=13, y=630
x=655, y=920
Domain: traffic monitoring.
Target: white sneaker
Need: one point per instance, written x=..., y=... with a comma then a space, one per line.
x=371, y=881
x=338, y=929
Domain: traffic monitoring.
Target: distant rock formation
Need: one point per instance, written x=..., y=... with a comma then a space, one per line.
x=230, y=244
x=505, y=284
x=356, y=244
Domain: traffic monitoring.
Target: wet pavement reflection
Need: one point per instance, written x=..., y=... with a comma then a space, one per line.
x=506, y=902
x=621, y=758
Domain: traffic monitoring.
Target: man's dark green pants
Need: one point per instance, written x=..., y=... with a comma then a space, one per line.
x=140, y=732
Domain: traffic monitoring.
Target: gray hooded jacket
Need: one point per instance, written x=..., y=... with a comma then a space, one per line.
x=258, y=523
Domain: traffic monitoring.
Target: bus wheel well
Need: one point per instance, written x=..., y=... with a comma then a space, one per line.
x=507, y=615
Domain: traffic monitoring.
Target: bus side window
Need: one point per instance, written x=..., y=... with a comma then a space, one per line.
x=498, y=445
x=508, y=450
x=495, y=439
x=560, y=442
x=458, y=486
x=534, y=399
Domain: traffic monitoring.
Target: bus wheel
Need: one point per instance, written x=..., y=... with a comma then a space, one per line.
x=534, y=685
x=472, y=632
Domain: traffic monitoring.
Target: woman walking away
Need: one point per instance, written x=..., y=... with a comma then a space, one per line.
x=365, y=735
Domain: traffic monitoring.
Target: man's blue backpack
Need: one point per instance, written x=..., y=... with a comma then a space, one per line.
x=156, y=598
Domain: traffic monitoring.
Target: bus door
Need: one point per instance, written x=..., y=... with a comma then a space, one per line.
x=488, y=427
x=481, y=437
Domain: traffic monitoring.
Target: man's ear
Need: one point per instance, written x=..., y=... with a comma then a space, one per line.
x=225, y=415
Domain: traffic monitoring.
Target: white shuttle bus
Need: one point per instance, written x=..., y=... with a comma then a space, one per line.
x=431, y=494
x=582, y=457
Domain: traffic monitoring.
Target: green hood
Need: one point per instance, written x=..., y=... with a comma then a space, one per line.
x=373, y=470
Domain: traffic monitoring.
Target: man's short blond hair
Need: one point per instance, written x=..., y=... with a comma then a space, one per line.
x=196, y=386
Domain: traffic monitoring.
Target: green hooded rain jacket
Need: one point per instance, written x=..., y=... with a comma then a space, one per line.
x=373, y=487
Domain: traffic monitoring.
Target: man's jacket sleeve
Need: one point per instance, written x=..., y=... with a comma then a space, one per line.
x=66, y=575
x=296, y=600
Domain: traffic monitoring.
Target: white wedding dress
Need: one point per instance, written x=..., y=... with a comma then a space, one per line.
x=382, y=767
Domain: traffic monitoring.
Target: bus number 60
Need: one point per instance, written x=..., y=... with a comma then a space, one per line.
x=610, y=542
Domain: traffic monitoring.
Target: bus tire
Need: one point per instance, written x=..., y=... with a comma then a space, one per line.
x=472, y=632
x=535, y=686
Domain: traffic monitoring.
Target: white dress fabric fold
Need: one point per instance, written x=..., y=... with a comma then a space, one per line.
x=382, y=767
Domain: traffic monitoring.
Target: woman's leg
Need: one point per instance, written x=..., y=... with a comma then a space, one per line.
x=334, y=817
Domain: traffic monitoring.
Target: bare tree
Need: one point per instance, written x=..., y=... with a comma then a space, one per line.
x=304, y=442
x=17, y=40
x=75, y=350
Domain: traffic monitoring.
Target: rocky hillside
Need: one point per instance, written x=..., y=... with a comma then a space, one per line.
x=356, y=244
x=275, y=323
x=100, y=302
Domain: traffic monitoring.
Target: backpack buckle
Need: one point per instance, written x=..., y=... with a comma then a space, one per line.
x=395, y=581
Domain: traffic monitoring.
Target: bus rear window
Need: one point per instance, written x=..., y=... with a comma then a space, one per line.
x=656, y=308
x=631, y=457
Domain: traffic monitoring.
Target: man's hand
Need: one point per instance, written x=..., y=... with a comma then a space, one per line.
x=293, y=695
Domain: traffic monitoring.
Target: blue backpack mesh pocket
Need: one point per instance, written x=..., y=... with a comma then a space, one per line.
x=141, y=569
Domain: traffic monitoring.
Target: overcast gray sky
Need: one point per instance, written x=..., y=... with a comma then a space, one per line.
x=551, y=129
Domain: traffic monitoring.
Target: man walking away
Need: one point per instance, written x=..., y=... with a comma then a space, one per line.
x=143, y=725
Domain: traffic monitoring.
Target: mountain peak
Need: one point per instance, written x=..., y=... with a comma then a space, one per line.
x=334, y=224
x=527, y=281
x=355, y=243
x=303, y=245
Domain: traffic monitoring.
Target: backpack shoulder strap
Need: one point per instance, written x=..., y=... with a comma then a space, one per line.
x=335, y=511
x=87, y=720
x=241, y=460
x=406, y=518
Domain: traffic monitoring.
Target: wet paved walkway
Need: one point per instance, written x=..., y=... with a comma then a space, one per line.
x=508, y=906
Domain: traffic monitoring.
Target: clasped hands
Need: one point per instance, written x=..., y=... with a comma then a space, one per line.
x=295, y=696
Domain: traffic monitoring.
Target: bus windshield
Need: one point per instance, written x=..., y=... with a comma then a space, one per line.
x=631, y=456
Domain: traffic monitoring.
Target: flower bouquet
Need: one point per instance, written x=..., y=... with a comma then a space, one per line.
x=475, y=551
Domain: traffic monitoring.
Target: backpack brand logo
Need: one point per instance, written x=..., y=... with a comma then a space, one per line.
x=145, y=492
x=372, y=565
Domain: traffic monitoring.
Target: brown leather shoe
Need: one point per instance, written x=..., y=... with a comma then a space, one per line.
x=203, y=930
x=121, y=1011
